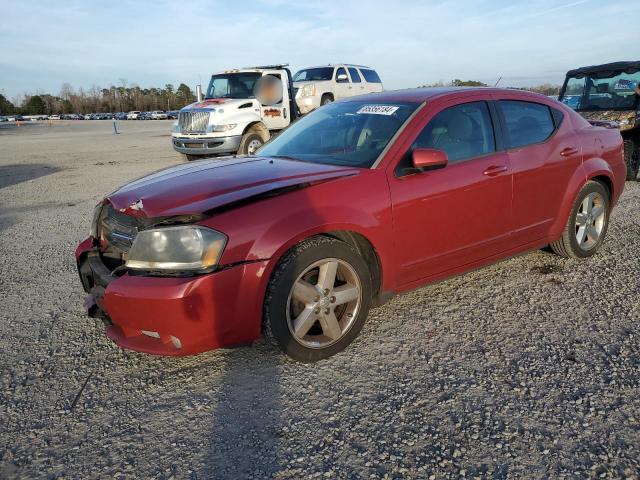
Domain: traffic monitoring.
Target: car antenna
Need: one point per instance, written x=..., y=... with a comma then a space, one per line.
x=497, y=82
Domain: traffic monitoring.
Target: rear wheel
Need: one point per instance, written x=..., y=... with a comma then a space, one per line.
x=632, y=158
x=587, y=224
x=318, y=299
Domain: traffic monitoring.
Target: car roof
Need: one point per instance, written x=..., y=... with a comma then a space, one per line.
x=628, y=67
x=420, y=95
x=338, y=65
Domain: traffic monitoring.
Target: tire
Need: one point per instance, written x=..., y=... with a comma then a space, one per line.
x=326, y=98
x=632, y=158
x=253, y=139
x=568, y=245
x=190, y=158
x=281, y=307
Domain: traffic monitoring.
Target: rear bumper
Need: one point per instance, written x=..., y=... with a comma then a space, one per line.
x=206, y=146
x=174, y=315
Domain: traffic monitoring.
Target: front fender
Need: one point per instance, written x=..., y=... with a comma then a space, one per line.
x=268, y=228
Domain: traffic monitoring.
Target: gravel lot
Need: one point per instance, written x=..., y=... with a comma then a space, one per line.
x=526, y=369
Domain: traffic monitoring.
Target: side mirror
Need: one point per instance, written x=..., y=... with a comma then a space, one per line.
x=342, y=77
x=429, y=158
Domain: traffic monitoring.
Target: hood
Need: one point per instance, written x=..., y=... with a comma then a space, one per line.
x=197, y=187
x=215, y=103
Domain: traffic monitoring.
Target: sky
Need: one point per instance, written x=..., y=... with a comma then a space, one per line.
x=410, y=43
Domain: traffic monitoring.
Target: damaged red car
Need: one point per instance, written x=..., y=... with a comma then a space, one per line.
x=360, y=200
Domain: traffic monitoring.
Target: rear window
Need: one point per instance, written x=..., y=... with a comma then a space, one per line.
x=527, y=123
x=370, y=76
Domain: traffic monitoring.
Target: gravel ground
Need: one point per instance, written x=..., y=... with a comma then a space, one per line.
x=526, y=369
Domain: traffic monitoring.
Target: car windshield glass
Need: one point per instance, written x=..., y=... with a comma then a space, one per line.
x=602, y=91
x=232, y=85
x=311, y=74
x=342, y=133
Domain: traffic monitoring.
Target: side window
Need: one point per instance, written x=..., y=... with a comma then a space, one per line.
x=370, y=76
x=355, y=76
x=463, y=131
x=526, y=122
x=341, y=71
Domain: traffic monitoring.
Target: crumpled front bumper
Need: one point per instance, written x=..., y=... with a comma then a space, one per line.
x=206, y=145
x=174, y=315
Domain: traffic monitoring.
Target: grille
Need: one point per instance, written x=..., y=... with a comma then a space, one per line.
x=117, y=232
x=193, y=122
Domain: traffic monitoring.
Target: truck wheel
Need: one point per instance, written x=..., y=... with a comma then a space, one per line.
x=190, y=158
x=253, y=139
x=631, y=158
x=326, y=98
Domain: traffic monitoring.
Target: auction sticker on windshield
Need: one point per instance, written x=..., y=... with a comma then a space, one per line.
x=378, y=109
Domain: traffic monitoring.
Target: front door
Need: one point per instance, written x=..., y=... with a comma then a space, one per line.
x=343, y=87
x=276, y=116
x=458, y=214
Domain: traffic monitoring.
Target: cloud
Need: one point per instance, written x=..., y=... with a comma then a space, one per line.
x=409, y=42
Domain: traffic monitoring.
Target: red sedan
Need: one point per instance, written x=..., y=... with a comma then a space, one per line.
x=360, y=200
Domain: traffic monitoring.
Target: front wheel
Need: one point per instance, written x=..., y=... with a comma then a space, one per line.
x=318, y=299
x=252, y=140
x=587, y=224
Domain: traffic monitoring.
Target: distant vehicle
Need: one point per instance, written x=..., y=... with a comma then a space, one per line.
x=158, y=115
x=231, y=119
x=3, y=119
x=87, y=116
x=607, y=95
x=133, y=115
x=54, y=117
x=120, y=116
x=316, y=86
x=144, y=116
x=172, y=114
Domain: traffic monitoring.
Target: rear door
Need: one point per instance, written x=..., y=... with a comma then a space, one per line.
x=544, y=154
x=459, y=214
x=358, y=86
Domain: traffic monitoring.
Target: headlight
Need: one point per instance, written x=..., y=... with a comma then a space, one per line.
x=185, y=247
x=223, y=128
x=309, y=90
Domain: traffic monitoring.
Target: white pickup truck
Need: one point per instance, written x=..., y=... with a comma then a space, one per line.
x=230, y=119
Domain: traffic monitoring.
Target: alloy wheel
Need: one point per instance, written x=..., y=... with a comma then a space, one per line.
x=254, y=145
x=590, y=221
x=323, y=303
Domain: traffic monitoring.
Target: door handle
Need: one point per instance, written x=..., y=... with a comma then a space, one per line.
x=567, y=152
x=494, y=170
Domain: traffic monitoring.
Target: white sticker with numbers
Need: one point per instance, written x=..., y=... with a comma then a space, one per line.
x=378, y=109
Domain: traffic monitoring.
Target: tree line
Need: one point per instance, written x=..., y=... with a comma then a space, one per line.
x=545, y=89
x=125, y=98
x=122, y=98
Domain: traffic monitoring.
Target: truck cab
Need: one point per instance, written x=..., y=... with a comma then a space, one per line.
x=240, y=111
x=609, y=95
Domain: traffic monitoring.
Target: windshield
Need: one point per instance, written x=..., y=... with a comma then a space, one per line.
x=310, y=74
x=602, y=91
x=343, y=133
x=232, y=85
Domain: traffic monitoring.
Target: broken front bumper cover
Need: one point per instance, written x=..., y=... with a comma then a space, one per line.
x=206, y=145
x=173, y=315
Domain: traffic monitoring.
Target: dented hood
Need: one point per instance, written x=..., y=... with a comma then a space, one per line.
x=197, y=187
